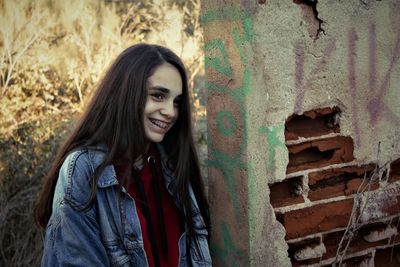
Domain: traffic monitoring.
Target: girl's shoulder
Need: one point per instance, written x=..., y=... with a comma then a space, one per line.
x=76, y=174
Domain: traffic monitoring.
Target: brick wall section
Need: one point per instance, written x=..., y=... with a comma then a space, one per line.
x=320, y=153
x=318, y=218
x=287, y=192
x=314, y=203
x=388, y=257
x=395, y=171
x=338, y=181
x=313, y=123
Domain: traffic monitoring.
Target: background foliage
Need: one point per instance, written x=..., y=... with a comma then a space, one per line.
x=52, y=53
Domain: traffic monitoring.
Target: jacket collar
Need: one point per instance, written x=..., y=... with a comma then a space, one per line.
x=108, y=177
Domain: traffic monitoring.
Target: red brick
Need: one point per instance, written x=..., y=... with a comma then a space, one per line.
x=382, y=203
x=327, y=192
x=285, y=193
x=345, y=173
x=358, y=261
x=353, y=186
x=396, y=222
x=388, y=257
x=394, y=171
x=358, y=243
x=320, y=153
x=342, y=181
x=312, y=123
x=331, y=242
x=294, y=247
x=318, y=218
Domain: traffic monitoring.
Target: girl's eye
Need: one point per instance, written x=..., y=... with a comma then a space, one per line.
x=158, y=97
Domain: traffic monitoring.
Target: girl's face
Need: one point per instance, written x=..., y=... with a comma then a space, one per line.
x=163, y=99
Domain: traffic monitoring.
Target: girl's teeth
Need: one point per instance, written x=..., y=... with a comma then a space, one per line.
x=159, y=124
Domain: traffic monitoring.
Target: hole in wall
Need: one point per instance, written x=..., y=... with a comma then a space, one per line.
x=287, y=193
x=313, y=123
x=309, y=155
x=311, y=18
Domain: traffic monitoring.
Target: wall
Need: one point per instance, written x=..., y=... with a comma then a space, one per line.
x=304, y=125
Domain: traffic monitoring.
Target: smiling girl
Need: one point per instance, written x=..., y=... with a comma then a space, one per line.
x=125, y=188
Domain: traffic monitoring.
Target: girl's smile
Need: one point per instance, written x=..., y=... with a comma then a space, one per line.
x=162, y=104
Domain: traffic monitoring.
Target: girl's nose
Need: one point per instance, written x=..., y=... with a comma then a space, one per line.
x=168, y=109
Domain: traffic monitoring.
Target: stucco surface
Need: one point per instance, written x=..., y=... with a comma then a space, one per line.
x=273, y=62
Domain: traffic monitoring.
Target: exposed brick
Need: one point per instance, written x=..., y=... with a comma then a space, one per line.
x=327, y=192
x=377, y=234
x=348, y=172
x=359, y=261
x=338, y=181
x=381, y=203
x=297, y=246
x=312, y=123
x=353, y=185
x=388, y=257
x=320, y=153
x=358, y=242
x=394, y=171
x=396, y=222
x=318, y=218
x=331, y=242
x=286, y=193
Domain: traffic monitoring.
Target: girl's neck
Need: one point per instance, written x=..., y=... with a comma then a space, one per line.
x=139, y=162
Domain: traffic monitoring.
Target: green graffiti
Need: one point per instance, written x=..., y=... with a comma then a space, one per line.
x=273, y=141
x=217, y=58
x=229, y=253
x=231, y=14
x=226, y=123
x=221, y=65
x=235, y=15
x=227, y=165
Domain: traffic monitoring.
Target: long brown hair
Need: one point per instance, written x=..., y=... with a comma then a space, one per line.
x=115, y=117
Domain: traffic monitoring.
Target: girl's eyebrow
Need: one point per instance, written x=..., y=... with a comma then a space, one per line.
x=160, y=88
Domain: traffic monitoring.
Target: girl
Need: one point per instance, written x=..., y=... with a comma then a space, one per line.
x=125, y=189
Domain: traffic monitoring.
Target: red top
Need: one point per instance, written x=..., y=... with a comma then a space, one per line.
x=172, y=220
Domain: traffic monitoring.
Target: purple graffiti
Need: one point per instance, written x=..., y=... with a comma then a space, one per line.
x=377, y=108
x=353, y=81
x=313, y=75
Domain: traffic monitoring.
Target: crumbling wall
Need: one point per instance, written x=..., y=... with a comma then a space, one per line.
x=304, y=123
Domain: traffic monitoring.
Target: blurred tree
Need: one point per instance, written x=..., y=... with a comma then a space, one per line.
x=52, y=53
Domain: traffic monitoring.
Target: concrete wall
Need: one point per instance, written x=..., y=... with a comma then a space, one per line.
x=304, y=130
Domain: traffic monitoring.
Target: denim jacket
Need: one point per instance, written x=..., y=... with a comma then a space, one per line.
x=108, y=233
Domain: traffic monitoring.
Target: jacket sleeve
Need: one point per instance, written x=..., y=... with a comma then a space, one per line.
x=73, y=237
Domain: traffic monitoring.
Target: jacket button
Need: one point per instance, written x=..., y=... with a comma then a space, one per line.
x=132, y=237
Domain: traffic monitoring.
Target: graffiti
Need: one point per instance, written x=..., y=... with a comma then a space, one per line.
x=225, y=103
x=227, y=86
x=229, y=253
x=353, y=83
x=220, y=64
x=303, y=83
x=273, y=142
x=376, y=107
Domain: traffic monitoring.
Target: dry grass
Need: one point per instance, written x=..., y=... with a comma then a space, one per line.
x=51, y=55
